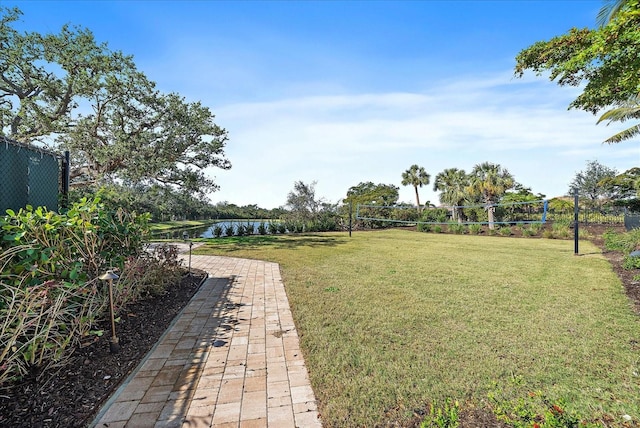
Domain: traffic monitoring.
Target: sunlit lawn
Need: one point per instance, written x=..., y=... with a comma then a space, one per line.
x=393, y=320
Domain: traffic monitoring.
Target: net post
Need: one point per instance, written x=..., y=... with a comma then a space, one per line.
x=350, y=215
x=576, y=210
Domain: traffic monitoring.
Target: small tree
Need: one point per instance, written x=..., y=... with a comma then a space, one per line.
x=588, y=183
x=302, y=202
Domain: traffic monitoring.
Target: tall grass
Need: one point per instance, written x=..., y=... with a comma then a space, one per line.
x=392, y=321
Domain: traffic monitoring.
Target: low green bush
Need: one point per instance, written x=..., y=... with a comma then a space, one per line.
x=262, y=228
x=50, y=296
x=623, y=242
x=424, y=227
x=229, y=229
x=505, y=231
x=475, y=229
x=456, y=228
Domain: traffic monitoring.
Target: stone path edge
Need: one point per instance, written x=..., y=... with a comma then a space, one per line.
x=116, y=392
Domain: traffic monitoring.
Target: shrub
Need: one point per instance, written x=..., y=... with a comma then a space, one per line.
x=505, y=231
x=631, y=263
x=49, y=291
x=249, y=228
x=217, y=231
x=147, y=275
x=623, y=242
x=535, y=228
x=584, y=234
x=435, y=215
x=437, y=228
x=475, y=228
x=262, y=228
x=528, y=231
x=423, y=227
x=229, y=230
x=456, y=228
x=42, y=323
x=560, y=228
x=282, y=227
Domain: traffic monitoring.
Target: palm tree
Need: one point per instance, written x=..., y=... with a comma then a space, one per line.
x=415, y=176
x=490, y=181
x=452, y=184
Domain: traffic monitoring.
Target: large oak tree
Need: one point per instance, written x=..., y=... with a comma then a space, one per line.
x=67, y=91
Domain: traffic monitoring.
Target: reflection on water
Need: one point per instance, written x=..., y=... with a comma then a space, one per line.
x=225, y=226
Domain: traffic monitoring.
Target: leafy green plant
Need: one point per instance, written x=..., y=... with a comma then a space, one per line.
x=505, y=231
x=249, y=228
x=241, y=230
x=560, y=229
x=623, y=242
x=49, y=294
x=475, y=228
x=535, y=228
x=424, y=227
x=630, y=262
x=43, y=322
x=533, y=410
x=528, y=231
x=262, y=228
x=584, y=234
x=437, y=228
x=456, y=228
x=229, y=230
x=282, y=227
x=217, y=231
x=445, y=416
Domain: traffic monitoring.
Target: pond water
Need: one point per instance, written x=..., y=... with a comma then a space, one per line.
x=208, y=231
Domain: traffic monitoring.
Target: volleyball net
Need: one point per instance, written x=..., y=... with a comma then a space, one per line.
x=511, y=213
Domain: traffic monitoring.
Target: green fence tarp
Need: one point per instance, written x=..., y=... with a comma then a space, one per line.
x=28, y=177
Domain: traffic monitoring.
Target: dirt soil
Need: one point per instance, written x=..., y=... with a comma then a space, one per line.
x=72, y=396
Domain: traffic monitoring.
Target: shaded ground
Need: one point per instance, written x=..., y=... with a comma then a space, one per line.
x=72, y=396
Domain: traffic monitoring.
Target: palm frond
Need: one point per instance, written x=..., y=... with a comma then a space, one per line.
x=609, y=11
x=621, y=114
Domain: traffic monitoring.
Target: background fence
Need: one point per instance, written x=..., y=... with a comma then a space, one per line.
x=610, y=216
x=31, y=176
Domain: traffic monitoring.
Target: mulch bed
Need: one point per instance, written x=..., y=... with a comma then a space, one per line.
x=72, y=396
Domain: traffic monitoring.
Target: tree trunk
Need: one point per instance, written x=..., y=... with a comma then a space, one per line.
x=417, y=198
x=490, y=210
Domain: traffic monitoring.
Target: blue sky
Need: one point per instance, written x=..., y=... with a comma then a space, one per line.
x=345, y=92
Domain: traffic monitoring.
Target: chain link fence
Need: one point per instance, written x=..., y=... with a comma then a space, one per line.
x=31, y=176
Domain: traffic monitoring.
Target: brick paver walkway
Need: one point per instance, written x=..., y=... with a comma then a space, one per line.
x=231, y=359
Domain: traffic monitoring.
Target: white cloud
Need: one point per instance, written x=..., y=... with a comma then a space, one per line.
x=341, y=140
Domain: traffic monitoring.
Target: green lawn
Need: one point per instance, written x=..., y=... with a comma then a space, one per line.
x=393, y=320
